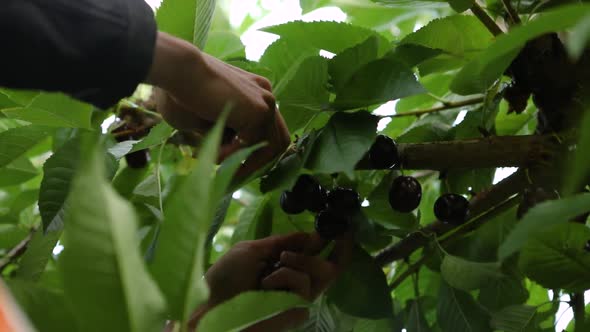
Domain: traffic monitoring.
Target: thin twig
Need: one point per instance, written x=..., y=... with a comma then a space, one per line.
x=511, y=12
x=486, y=19
x=17, y=251
x=578, y=305
x=408, y=272
x=445, y=106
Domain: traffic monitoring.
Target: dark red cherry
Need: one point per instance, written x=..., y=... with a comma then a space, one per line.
x=383, y=153
x=452, y=209
x=405, y=194
x=330, y=224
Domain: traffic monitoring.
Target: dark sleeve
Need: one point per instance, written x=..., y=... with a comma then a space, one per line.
x=95, y=50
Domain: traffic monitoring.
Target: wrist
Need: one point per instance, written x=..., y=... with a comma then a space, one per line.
x=172, y=56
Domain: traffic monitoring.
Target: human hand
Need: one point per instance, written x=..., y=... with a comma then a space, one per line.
x=194, y=89
x=243, y=268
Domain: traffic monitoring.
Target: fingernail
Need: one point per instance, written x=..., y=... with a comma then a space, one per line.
x=287, y=256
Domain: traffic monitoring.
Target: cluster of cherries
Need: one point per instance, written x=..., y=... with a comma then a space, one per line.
x=335, y=208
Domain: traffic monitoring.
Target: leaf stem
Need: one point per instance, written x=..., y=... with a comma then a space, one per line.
x=489, y=23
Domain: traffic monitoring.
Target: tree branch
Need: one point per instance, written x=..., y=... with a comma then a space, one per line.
x=579, y=307
x=445, y=106
x=17, y=251
x=486, y=19
x=511, y=12
x=489, y=152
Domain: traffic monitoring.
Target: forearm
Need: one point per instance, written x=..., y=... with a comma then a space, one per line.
x=95, y=50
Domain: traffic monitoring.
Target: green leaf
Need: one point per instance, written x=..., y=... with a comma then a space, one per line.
x=416, y=320
x=461, y=5
x=283, y=58
x=458, y=312
x=309, y=5
x=101, y=228
x=362, y=289
x=320, y=35
x=39, y=251
x=481, y=72
x=16, y=142
x=462, y=36
x=502, y=292
x=255, y=221
x=578, y=38
x=59, y=171
x=203, y=20
x=376, y=83
x=17, y=172
x=47, y=309
x=465, y=275
x=247, y=309
x=225, y=45
x=179, y=260
x=323, y=317
x=516, y=318
x=579, y=168
x=187, y=19
x=541, y=217
x=54, y=110
x=306, y=93
x=156, y=136
x=560, y=250
x=343, y=142
x=345, y=64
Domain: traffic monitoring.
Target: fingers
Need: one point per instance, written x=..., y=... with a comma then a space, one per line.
x=317, y=267
x=272, y=247
x=342, y=253
x=290, y=280
x=263, y=82
x=278, y=138
x=283, y=322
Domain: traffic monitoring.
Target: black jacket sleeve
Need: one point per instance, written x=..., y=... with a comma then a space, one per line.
x=95, y=50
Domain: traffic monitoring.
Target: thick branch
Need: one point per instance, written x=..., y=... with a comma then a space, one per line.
x=481, y=203
x=494, y=151
x=579, y=307
x=490, y=152
x=17, y=251
x=511, y=12
x=486, y=19
x=443, y=107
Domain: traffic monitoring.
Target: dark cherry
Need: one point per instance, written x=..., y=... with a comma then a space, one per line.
x=330, y=224
x=311, y=193
x=138, y=159
x=383, y=153
x=452, y=209
x=405, y=194
x=291, y=203
x=344, y=201
x=318, y=200
x=587, y=247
